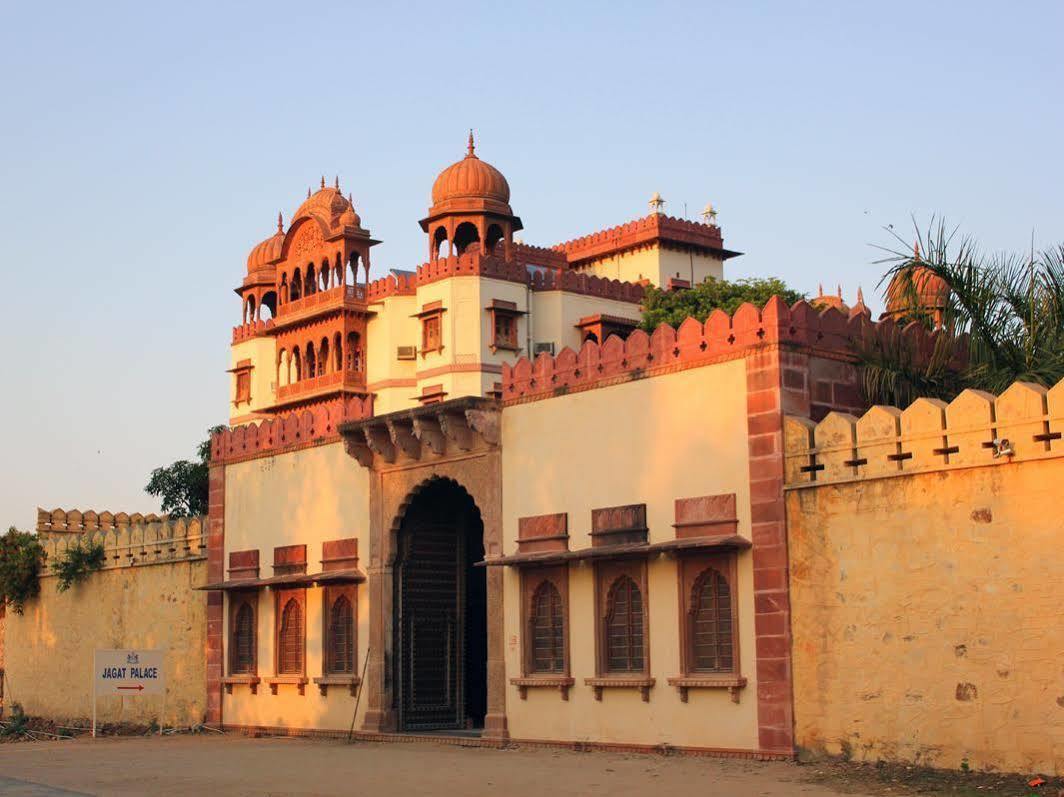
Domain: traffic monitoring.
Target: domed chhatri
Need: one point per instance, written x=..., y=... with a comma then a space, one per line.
x=918, y=289
x=329, y=206
x=471, y=178
x=269, y=251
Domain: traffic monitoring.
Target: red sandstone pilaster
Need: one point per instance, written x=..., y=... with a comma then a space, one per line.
x=215, y=573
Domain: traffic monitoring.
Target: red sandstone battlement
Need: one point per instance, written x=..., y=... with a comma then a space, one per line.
x=721, y=336
x=537, y=256
x=471, y=264
x=75, y=521
x=603, y=287
x=251, y=330
x=392, y=285
x=653, y=228
x=289, y=430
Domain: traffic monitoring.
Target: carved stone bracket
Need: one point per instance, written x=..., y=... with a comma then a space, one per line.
x=427, y=430
x=355, y=446
x=486, y=423
x=380, y=443
x=456, y=430
x=402, y=436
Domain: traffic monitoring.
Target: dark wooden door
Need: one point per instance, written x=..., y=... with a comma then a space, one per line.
x=431, y=599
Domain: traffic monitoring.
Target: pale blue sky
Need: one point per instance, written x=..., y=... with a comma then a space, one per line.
x=147, y=147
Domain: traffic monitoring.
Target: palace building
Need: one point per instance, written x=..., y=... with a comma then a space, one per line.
x=475, y=499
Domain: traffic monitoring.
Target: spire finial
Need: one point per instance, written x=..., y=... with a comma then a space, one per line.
x=308, y=192
x=839, y=287
x=916, y=249
x=350, y=201
x=860, y=296
x=820, y=289
x=337, y=182
x=472, y=146
x=656, y=204
x=280, y=222
x=323, y=182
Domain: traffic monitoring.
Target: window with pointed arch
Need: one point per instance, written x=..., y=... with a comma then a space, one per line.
x=622, y=627
x=242, y=633
x=546, y=611
x=291, y=636
x=710, y=622
x=340, y=631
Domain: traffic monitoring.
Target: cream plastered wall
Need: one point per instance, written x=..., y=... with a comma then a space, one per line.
x=656, y=264
x=926, y=617
x=556, y=313
x=261, y=352
x=49, y=648
x=391, y=327
x=621, y=445
x=305, y=497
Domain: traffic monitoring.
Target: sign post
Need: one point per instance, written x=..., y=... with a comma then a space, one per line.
x=126, y=673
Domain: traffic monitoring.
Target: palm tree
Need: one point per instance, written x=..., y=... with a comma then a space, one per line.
x=1005, y=311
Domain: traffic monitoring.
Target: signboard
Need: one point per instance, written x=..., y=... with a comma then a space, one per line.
x=128, y=673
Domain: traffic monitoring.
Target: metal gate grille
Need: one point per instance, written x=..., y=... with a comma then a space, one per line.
x=432, y=599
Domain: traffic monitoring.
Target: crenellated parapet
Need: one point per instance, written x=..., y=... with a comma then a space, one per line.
x=135, y=540
x=318, y=424
x=61, y=522
x=588, y=285
x=801, y=326
x=1026, y=422
x=392, y=285
x=252, y=329
x=655, y=228
x=471, y=264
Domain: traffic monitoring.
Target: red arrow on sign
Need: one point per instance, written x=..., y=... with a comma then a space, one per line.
x=138, y=687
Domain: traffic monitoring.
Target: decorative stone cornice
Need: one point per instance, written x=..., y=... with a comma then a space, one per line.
x=435, y=430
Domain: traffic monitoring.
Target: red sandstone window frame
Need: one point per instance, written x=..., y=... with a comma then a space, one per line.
x=431, y=316
x=330, y=595
x=691, y=568
x=238, y=599
x=532, y=579
x=503, y=319
x=607, y=573
x=242, y=382
x=297, y=676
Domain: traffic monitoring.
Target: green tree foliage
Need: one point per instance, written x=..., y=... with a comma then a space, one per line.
x=75, y=563
x=1011, y=307
x=672, y=307
x=21, y=557
x=182, y=486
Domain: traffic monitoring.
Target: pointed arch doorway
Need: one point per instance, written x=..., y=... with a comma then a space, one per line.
x=440, y=622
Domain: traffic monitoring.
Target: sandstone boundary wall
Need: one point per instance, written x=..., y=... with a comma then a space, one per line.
x=925, y=567
x=143, y=597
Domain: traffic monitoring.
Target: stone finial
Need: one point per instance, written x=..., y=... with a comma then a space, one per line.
x=337, y=182
x=709, y=214
x=280, y=222
x=308, y=192
x=656, y=203
x=323, y=182
x=470, y=151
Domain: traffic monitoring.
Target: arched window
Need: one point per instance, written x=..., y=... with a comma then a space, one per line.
x=338, y=270
x=323, y=356
x=283, y=297
x=284, y=375
x=290, y=640
x=340, y=637
x=547, y=630
x=297, y=361
x=269, y=302
x=465, y=235
x=352, y=265
x=296, y=291
x=310, y=363
x=338, y=354
x=353, y=354
x=242, y=645
x=624, y=627
x=249, y=315
x=439, y=238
x=323, y=274
x=310, y=281
x=495, y=235
x=710, y=624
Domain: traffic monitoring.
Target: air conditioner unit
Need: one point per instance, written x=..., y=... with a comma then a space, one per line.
x=547, y=347
x=406, y=353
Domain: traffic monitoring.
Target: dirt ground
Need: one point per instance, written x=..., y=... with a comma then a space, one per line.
x=233, y=765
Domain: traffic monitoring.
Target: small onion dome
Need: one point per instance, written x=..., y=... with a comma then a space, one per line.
x=930, y=290
x=470, y=178
x=267, y=251
x=329, y=206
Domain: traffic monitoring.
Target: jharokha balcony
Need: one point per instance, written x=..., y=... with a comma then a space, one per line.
x=315, y=386
x=351, y=296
